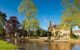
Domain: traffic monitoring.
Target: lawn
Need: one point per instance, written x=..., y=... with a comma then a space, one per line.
x=7, y=46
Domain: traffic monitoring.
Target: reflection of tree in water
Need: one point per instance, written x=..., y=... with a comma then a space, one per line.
x=32, y=46
x=48, y=46
x=60, y=46
x=72, y=46
x=40, y=46
x=27, y=45
x=53, y=46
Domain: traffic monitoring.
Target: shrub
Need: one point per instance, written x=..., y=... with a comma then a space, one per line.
x=74, y=36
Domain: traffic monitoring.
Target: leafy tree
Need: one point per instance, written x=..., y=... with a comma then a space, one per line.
x=12, y=25
x=2, y=21
x=71, y=14
x=29, y=9
x=1, y=29
x=33, y=25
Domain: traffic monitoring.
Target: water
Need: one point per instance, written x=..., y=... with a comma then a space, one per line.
x=76, y=47
x=27, y=45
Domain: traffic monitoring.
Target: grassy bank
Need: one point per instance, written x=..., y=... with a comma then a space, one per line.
x=6, y=46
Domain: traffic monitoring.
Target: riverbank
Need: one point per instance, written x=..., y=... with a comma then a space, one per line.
x=5, y=45
x=77, y=41
x=45, y=39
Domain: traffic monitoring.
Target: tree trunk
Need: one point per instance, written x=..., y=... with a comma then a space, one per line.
x=29, y=26
x=71, y=32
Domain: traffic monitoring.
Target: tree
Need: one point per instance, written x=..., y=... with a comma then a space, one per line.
x=33, y=25
x=71, y=14
x=2, y=21
x=29, y=9
x=12, y=25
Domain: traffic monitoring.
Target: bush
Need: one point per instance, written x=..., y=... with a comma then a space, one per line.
x=74, y=36
x=49, y=34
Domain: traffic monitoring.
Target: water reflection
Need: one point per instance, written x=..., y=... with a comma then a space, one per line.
x=26, y=45
x=76, y=47
x=60, y=46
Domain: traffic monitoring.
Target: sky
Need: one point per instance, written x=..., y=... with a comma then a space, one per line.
x=47, y=10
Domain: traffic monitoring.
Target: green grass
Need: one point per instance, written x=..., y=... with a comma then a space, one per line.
x=6, y=46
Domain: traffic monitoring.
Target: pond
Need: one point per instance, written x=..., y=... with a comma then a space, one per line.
x=27, y=45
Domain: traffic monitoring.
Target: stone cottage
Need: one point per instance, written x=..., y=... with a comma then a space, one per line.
x=59, y=32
